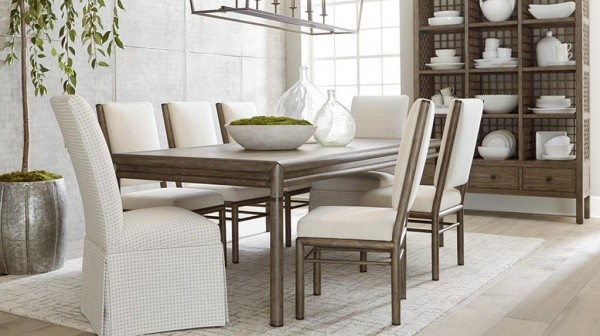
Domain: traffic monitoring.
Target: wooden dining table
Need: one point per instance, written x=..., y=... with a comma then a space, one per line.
x=230, y=164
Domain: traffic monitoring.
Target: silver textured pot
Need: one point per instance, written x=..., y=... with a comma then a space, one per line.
x=32, y=226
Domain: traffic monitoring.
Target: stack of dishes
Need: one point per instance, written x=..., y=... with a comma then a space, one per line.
x=558, y=148
x=496, y=57
x=444, y=18
x=554, y=11
x=498, y=145
x=446, y=60
x=553, y=105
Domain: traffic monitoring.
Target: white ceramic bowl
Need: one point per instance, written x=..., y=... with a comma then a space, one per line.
x=270, y=137
x=443, y=21
x=445, y=52
x=455, y=59
x=559, y=140
x=499, y=103
x=558, y=150
x=448, y=13
x=497, y=10
x=494, y=153
x=555, y=11
x=490, y=54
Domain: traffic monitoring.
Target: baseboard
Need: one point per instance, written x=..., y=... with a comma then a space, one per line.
x=524, y=204
x=595, y=206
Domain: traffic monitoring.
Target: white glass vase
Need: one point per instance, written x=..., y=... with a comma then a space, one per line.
x=301, y=101
x=335, y=126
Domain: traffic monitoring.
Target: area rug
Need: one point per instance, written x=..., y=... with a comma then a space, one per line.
x=352, y=303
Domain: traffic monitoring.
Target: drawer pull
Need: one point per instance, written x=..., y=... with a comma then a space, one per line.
x=494, y=176
x=548, y=178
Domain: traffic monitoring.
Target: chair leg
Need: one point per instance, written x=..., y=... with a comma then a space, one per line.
x=317, y=273
x=299, y=280
x=442, y=236
x=267, y=219
x=363, y=257
x=403, y=266
x=235, y=235
x=396, y=295
x=288, y=220
x=223, y=227
x=460, y=237
x=435, y=248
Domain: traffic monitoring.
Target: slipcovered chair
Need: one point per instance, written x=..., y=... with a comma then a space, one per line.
x=192, y=124
x=131, y=127
x=452, y=171
x=231, y=111
x=375, y=117
x=370, y=228
x=144, y=271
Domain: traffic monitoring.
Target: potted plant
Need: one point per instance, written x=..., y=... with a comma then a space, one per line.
x=32, y=203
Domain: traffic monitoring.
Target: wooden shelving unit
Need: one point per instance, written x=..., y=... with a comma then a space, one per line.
x=522, y=174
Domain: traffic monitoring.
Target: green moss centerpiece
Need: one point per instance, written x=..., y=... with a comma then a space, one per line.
x=270, y=133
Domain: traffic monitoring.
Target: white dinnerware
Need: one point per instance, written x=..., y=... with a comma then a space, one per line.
x=563, y=52
x=455, y=59
x=504, y=53
x=546, y=51
x=499, y=103
x=448, y=99
x=559, y=140
x=445, y=52
x=559, y=158
x=437, y=99
x=552, y=97
x=494, y=153
x=445, y=66
x=446, y=20
x=554, y=11
x=541, y=138
x=270, y=137
x=492, y=43
x=490, y=54
x=553, y=103
x=448, y=13
x=497, y=10
x=447, y=91
x=497, y=61
x=558, y=150
x=553, y=110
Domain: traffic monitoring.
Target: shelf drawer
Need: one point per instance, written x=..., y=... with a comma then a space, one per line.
x=542, y=179
x=494, y=177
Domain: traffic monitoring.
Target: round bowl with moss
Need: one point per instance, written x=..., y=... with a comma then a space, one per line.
x=270, y=133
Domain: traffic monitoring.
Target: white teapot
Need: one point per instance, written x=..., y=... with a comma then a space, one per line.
x=497, y=10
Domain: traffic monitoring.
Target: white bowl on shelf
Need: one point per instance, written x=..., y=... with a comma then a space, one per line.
x=499, y=103
x=454, y=59
x=494, y=153
x=445, y=52
x=444, y=21
x=555, y=11
x=448, y=13
x=558, y=150
x=559, y=140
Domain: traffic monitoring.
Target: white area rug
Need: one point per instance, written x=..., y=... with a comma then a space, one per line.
x=351, y=303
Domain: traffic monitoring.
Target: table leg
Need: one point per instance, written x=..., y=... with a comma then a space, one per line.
x=276, y=216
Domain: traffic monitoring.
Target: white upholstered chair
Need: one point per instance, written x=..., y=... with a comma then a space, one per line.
x=370, y=228
x=131, y=127
x=375, y=117
x=230, y=111
x=452, y=173
x=147, y=270
x=193, y=124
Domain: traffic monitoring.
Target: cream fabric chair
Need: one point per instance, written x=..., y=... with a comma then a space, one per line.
x=452, y=173
x=144, y=271
x=131, y=127
x=192, y=124
x=229, y=112
x=370, y=228
x=375, y=117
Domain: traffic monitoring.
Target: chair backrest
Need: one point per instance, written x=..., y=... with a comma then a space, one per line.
x=189, y=124
x=93, y=168
x=129, y=127
x=379, y=116
x=412, y=155
x=458, y=143
x=229, y=112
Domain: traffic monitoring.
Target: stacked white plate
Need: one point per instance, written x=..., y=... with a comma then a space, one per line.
x=444, y=18
x=496, y=63
x=554, y=11
x=498, y=145
x=553, y=105
x=445, y=59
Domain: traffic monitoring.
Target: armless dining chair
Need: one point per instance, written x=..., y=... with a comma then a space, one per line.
x=193, y=124
x=370, y=228
x=131, y=127
x=375, y=117
x=144, y=271
x=231, y=111
x=446, y=196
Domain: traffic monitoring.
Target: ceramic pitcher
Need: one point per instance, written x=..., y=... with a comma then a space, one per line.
x=497, y=10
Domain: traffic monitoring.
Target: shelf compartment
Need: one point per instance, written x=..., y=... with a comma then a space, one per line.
x=489, y=125
x=532, y=126
x=476, y=16
x=508, y=36
x=427, y=8
x=493, y=83
x=532, y=35
x=430, y=85
x=441, y=40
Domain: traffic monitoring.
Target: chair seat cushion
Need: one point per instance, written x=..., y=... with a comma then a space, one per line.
x=164, y=228
x=187, y=198
x=382, y=197
x=233, y=193
x=363, y=181
x=348, y=222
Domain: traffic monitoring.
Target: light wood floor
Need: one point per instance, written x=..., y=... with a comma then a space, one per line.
x=556, y=291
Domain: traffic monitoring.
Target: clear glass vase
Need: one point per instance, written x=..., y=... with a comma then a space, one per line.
x=301, y=101
x=335, y=126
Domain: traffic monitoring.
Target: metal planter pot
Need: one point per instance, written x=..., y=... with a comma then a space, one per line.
x=32, y=226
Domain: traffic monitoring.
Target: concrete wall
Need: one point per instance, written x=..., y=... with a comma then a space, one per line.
x=169, y=55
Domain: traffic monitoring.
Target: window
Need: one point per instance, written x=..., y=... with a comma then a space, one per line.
x=367, y=63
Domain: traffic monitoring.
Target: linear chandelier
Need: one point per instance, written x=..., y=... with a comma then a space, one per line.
x=245, y=10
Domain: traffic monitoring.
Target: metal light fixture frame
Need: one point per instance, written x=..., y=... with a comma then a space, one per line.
x=243, y=8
